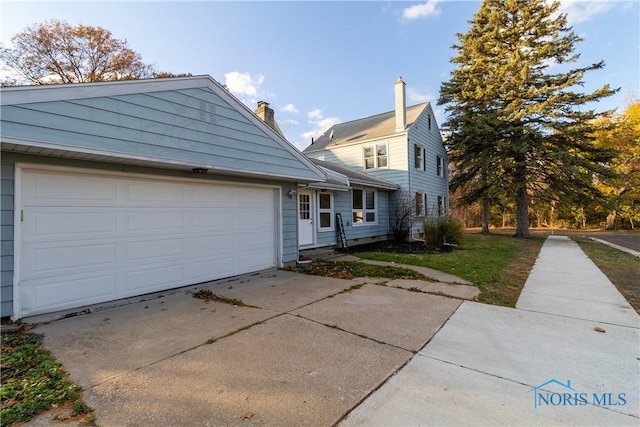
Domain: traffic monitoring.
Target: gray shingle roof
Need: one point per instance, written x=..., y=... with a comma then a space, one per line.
x=371, y=127
x=357, y=177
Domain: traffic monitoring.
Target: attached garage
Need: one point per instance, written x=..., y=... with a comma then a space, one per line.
x=88, y=238
x=119, y=189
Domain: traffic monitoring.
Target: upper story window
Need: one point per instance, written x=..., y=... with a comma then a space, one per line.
x=325, y=211
x=375, y=156
x=417, y=156
x=429, y=121
x=439, y=166
x=364, y=206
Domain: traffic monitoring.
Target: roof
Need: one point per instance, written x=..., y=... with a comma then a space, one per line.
x=21, y=103
x=367, y=128
x=353, y=176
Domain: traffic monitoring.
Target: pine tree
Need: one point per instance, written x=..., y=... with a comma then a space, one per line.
x=513, y=124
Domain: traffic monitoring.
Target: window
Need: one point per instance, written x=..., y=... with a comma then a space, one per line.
x=439, y=166
x=424, y=159
x=429, y=121
x=376, y=156
x=325, y=211
x=417, y=156
x=419, y=204
x=305, y=206
x=363, y=204
x=442, y=209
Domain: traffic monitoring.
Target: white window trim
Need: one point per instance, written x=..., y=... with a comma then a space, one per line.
x=418, y=156
x=375, y=156
x=440, y=165
x=364, y=209
x=330, y=211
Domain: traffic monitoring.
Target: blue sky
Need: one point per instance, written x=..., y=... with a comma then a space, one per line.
x=319, y=63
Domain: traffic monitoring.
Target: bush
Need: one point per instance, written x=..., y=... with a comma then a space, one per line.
x=439, y=230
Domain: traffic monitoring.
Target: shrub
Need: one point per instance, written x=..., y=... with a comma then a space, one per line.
x=439, y=230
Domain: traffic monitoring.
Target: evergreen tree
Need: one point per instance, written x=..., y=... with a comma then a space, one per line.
x=513, y=124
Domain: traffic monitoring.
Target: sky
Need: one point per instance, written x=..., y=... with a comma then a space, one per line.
x=318, y=63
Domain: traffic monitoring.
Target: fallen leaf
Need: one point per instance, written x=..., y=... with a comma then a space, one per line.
x=599, y=329
x=246, y=416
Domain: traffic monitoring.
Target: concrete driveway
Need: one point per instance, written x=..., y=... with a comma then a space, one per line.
x=307, y=351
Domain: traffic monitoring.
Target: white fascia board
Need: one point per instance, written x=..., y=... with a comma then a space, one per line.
x=146, y=160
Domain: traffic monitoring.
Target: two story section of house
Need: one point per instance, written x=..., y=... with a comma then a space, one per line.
x=403, y=146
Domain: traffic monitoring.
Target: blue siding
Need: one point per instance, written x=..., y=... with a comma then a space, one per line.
x=427, y=181
x=6, y=236
x=188, y=125
x=342, y=205
x=289, y=225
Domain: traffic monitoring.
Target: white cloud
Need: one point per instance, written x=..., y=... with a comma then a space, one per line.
x=290, y=108
x=581, y=11
x=315, y=114
x=419, y=97
x=243, y=83
x=320, y=124
x=417, y=11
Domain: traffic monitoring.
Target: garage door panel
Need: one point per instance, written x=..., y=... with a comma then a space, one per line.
x=201, y=270
x=137, y=235
x=68, y=293
x=162, y=193
x=154, y=277
x=54, y=189
x=157, y=249
x=206, y=195
x=156, y=220
x=213, y=245
x=62, y=222
x=68, y=259
x=213, y=218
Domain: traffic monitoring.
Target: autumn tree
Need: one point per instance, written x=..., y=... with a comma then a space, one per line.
x=56, y=52
x=623, y=189
x=515, y=125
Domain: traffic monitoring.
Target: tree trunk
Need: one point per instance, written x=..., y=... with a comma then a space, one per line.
x=522, y=202
x=485, y=214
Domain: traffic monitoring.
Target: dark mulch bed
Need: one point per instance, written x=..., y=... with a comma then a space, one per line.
x=394, y=247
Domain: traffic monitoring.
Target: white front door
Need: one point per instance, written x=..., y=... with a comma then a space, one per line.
x=305, y=218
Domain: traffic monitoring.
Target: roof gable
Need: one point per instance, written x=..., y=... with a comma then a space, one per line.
x=179, y=122
x=364, y=129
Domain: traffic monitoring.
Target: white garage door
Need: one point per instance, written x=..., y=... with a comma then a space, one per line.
x=89, y=238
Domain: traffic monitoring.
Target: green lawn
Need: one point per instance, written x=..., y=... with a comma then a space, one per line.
x=498, y=264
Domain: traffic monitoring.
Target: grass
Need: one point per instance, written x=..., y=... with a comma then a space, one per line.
x=33, y=382
x=350, y=270
x=497, y=264
x=207, y=295
x=622, y=269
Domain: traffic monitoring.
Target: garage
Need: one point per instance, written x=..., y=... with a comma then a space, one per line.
x=87, y=237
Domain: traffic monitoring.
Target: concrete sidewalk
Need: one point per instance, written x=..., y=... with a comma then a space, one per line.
x=567, y=355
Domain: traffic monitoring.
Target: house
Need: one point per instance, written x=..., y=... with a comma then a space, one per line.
x=361, y=200
x=116, y=189
x=403, y=147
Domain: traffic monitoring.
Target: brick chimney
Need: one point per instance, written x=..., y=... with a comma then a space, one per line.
x=401, y=105
x=266, y=114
